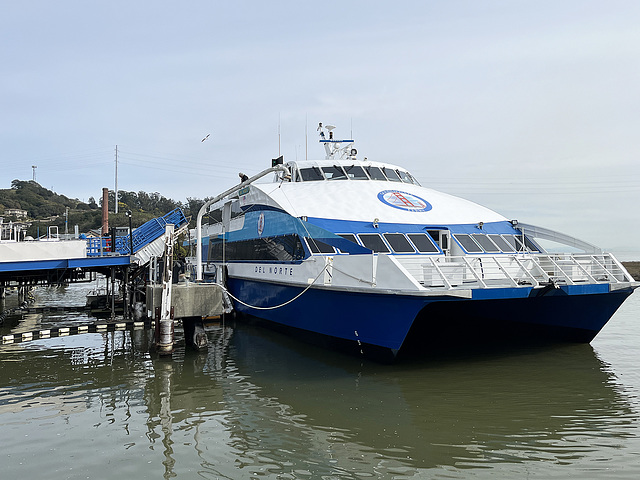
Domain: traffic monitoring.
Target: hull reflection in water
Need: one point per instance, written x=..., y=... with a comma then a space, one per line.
x=553, y=403
x=259, y=404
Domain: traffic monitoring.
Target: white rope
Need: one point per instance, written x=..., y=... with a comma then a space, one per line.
x=282, y=304
x=361, y=280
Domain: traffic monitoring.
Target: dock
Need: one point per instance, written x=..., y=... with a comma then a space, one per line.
x=133, y=262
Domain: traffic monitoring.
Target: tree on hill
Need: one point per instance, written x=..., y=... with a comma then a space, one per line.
x=46, y=208
x=143, y=202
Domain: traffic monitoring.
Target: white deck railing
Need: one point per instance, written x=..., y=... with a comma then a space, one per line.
x=520, y=270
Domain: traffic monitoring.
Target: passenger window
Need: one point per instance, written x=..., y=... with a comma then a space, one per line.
x=404, y=176
x=391, y=174
x=355, y=172
x=316, y=246
x=334, y=173
x=515, y=242
x=467, y=243
x=530, y=246
x=374, y=242
x=349, y=236
x=423, y=243
x=502, y=243
x=311, y=174
x=486, y=243
x=399, y=243
x=375, y=173
x=413, y=179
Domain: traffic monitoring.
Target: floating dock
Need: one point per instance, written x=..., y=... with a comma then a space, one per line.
x=75, y=330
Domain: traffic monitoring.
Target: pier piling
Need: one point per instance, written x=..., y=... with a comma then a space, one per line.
x=165, y=332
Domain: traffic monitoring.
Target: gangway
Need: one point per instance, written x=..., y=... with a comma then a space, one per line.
x=56, y=260
x=147, y=240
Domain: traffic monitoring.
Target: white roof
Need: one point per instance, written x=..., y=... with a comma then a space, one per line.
x=366, y=200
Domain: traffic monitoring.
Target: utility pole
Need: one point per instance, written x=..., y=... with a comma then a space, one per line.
x=116, y=179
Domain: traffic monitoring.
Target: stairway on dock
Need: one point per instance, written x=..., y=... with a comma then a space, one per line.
x=144, y=242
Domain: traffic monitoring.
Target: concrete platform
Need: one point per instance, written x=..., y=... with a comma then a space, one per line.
x=188, y=300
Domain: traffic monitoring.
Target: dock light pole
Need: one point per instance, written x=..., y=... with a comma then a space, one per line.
x=205, y=207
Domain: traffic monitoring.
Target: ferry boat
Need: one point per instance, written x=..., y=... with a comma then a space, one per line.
x=358, y=254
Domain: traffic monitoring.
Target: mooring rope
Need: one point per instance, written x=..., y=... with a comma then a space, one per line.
x=282, y=304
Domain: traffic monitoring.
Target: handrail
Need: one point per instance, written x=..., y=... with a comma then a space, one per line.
x=141, y=236
x=513, y=270
x=203, y=210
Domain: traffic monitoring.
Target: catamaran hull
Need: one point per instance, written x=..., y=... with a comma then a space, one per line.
x=384, y=323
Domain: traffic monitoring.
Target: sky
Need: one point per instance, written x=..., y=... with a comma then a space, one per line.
x=531, y=108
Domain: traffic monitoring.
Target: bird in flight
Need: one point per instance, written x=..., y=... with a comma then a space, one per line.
x=205, y=137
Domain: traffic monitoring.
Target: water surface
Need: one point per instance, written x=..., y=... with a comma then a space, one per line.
x=260, y=405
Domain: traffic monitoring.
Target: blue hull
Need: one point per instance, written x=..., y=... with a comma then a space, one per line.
x=387, y=322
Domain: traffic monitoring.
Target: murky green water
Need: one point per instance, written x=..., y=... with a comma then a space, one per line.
x=258, y=405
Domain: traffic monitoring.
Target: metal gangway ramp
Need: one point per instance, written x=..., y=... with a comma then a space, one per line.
x=147, y=240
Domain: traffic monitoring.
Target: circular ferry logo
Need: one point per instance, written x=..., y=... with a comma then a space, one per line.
x=404, y=201
x=260, y=224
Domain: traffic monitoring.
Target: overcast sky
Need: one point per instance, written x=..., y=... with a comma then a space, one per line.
x=531, y=108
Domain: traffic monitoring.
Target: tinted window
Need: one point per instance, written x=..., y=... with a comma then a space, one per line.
x=486, y=243
x=501, y=243
x=311, y=174
x=413, y=179
x=375, y=173
x=423, y=243
x=515, y=243
x=405, y=177
x=374, y=242
x=283, y=248
x=467, y=243
x=399, y=243
x=355, y=172
x=334, y=173
x=316, y=246
x=435, y=236
x=530, y=244
x=391, y=175
x=349, y=236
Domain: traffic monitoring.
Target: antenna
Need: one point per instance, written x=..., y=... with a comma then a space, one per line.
x=278, y=133
x=306, y=139
x=116, y=193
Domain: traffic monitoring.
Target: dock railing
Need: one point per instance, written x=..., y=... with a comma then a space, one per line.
x=141, y=236
x=523, y=270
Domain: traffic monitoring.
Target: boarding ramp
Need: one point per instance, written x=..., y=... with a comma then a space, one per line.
x=522, y=270
x=147, y=240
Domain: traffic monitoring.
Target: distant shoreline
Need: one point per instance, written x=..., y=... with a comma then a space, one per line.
x=633, y=268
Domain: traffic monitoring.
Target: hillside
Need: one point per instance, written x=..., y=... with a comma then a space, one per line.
x=46, y=208
x=633, y=268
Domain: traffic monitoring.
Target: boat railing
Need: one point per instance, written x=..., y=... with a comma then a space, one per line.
x=521, y=270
